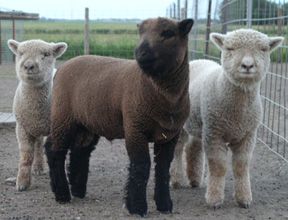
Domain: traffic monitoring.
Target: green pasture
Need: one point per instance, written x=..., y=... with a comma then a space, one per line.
x=106, y=39
x=119, y=39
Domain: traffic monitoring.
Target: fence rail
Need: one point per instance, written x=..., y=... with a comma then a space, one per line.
x=267, y=16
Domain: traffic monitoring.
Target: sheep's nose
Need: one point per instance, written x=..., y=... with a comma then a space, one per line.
x=30, y=66
x=247, y=66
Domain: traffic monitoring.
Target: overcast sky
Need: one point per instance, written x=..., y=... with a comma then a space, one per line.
x=74, y=9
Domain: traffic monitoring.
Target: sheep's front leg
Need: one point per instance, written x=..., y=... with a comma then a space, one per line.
x=56, y=163
x=241, y=156
x=176, y=171
x=38, y=165
x=163, y=158
x=26, y=147
x=195, y=161
x=139, y=169
x=216, y=152
x=79, y=167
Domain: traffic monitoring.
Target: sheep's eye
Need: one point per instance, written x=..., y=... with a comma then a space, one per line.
x=168, y=34
x=264, y=49
x=230, y=48
x=46, y=54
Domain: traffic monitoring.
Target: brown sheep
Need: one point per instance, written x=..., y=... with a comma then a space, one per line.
x=143, y=100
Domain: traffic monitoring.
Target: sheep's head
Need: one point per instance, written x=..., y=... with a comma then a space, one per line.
x=245, y=54
x=163, y=45
x=35, y=59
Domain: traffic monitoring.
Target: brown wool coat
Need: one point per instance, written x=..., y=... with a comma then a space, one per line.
x=111, y=97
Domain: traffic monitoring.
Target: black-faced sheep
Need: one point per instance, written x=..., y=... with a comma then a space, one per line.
x=225, y=112
x=35, y=61
x=143, y=100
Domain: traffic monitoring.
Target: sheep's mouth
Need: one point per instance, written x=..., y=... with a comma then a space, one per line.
x=34, y=77
x=247, y=75
x=147, y=63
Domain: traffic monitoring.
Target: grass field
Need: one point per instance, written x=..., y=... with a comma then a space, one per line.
x=119, y=39
x=107, y=39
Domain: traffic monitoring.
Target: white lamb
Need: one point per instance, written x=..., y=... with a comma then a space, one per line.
x=35, y=61
x=225, y=112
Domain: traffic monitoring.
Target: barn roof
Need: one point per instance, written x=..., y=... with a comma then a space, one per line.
x=18, y=15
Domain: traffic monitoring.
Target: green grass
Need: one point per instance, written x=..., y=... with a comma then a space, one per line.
x=120, y=39
x=106, y=39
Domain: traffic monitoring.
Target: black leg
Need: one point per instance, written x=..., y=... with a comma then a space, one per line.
x=79, y=168
x=163, y=158
x=56, y=161
x=139, y=169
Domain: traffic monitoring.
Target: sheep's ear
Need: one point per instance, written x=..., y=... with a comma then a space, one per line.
x=275, y=42
x=217, y=39
x=59, y=49
x=13, y=45
x=185, y=26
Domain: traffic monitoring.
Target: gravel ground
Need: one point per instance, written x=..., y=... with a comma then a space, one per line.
x=108, y=172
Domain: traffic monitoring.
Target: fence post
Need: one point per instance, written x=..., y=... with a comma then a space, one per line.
x=13, y=34
x=195, y=28
x=224, y=16
x=185, y=9
x=208, y=25
x=86, y=32
x=0, y=43
x=178, y=10
x=174, y=10
x=249, y=13
x=280, y=21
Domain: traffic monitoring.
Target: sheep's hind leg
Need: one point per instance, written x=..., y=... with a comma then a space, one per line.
x=56, y=163
x=241, y=156
x=26, y=148
x=163, y=158
x=176, y=171
x=139, y=169
x=79, y=165
x=216, y=152
x=38, y=166
x=195, y=161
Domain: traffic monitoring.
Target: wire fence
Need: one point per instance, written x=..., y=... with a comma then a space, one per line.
x=269, y=17
x=117, y=38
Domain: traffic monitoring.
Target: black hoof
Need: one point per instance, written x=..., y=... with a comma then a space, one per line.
x=78, y=192
x=63, y=196
x=62, y=199
x=164, y=206
x=135, y=208
x=140, y=212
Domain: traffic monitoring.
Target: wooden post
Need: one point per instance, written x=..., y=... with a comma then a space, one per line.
x=174, y=10
x=249, y=13
x=208, y=25
x=195, y=25
x=13, y=35
x=280, y=21
x=224, y=16
x=0, y=43
x=86, y=32
x=185, y=9
x=178, y=10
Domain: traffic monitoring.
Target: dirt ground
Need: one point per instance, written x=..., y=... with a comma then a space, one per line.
x=107, y=177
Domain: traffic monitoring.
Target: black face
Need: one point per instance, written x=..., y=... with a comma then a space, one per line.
x=145, y=56
x=163, y=45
